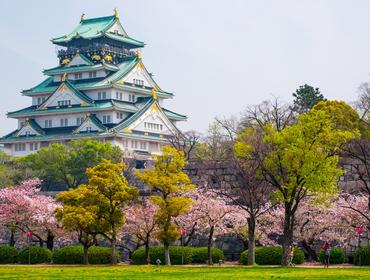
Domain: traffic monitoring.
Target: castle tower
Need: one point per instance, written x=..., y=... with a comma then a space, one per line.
x=100, y=90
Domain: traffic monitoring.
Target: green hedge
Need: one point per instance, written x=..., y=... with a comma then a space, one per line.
x=337, y=256
x=271, y=255
x=38, y=255
x=200, y=255
x=157, y=252
x=102, y=255
x=8, y=254
x=74, y=255
x=363, y=255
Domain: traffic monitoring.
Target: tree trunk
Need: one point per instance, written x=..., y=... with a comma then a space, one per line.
x=50, y=241
x=311, y=252
x=167, y=253
x=113, y=257
x=12, y=238
x=86, y=255
x=210, y=241
x=41, y=243
x=251, y=240
x=288, y=236
x=147, y=256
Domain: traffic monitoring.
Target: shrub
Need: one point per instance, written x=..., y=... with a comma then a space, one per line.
x=298, y=256
x=68, y=255
x=157, y=252
x=337, y=256
x=8, y=254
x=362, y=256
x=37, y=255
x=271, y=256
x=74, y=255
x=101, y=255
x=200, y=255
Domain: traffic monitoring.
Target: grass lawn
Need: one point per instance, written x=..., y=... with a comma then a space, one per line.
x=177, y=272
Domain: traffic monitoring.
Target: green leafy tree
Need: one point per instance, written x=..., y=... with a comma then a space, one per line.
x=80, y=215
x=306, y=97
x=67, y=164
x=97, y=207
x=110, y=193
x=300, y=160
x=168, y=182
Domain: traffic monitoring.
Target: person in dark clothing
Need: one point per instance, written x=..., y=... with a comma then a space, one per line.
x=326, y=249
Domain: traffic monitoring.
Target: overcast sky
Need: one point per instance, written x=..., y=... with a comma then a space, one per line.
x=216, y=56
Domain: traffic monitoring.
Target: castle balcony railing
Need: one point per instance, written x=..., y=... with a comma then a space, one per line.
x=97, y=48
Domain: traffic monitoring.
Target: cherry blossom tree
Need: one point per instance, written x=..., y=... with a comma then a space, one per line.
x=23, y=208
x=141, y=225
x=208, y=215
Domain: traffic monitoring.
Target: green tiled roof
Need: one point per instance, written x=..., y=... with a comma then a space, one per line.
x=49, y=85
x=95, y=28
x=96, y=106
x=69, y=69
x=97, y=122
x=174, y=116
x=36, y=126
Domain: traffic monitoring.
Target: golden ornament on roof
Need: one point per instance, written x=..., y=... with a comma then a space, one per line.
x=82, y=16
x=66, y=61
x=138, y=54
x=116, y=13
x=108, y=58
x=64, y=77
x=96, y=57
x=154, y=94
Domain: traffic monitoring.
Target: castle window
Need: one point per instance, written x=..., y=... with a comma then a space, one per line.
x=79, y=120
x=63, y=122
x=39, y=101
x=48, y=123
x=88, y=128
x=92, y=74
x=134, y=144
x=131, y=97
x=138, y=82
x=153, y=126
x=33, y=146
x=102, y=95
x=143, y=145
x=106, y=119
x=78, y=76
x=119, y=115
x=19, y=147
x=64, y=103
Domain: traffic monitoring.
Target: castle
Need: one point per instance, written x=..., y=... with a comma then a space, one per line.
x=100, y=90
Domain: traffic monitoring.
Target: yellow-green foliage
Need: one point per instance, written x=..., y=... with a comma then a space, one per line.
x=109, y=193
x=168, y=182
x=97, y=206
x=300, y=159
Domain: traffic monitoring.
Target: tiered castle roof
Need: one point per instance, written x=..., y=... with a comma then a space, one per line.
x=97, y=44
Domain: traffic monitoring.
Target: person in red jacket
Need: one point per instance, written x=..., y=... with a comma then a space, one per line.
x=326, y=248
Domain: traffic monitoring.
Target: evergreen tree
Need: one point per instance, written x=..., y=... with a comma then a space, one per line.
x=306, y=97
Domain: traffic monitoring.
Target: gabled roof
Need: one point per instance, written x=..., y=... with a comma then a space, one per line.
x=129, y=120
x=83, y=97
x=94, y=120
x=31, y=123
x=83, y=58
x=94, y=28
x=70, y=69
x=150, y=104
